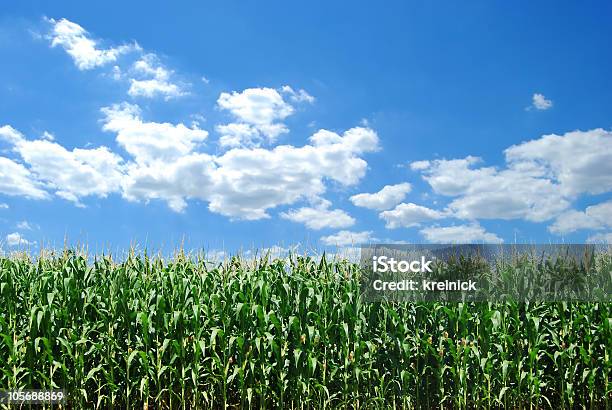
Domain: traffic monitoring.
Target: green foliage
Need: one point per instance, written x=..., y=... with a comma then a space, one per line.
x=188, y=333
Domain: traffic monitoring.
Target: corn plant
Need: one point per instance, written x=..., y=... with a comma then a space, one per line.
x=147, y=332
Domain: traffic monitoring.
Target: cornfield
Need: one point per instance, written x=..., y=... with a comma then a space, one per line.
x=146, y=332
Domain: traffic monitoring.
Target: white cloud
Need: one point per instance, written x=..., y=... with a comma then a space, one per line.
x=153, y=79
x=472, y=233
x=4, y=206
x=242, y=183
x=75, y=40
x=24, y=226
x=452, y=177
x=521, y=191
x=10, y=134
x=15, y=239
x=600, y=238
x=346, y=238
x=320, y=216
x=237, y=134
x=17, y=180
x=356, y=140
x=419, y=165
x=573, y=220
x=250, y=181
x=189, y=176
x=408, y=215
x=594, y=217
x=257, y=106
x=539, y=102
x=72, y=174
x=580, y=161
x=261, y=109
x=150, y=141
x=386, y=198
x=540, y=180
x=116, y=73
x=298, y=96
x=147, y=76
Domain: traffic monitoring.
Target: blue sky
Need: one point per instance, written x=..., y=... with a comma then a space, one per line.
x=231, y=125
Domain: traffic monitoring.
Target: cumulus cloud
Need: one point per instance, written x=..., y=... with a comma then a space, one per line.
x=153, y=79
x=146, y=75
x=297, y=96
x=540, y=102
x=164, y=164
x=407, y=215
x=15, y=239
x=258, y=112
x=241, y=183
x=258, y=106
x=17, y=180
x=237, y=134
x=150, y=141
x=186, y=177
x=604, y=238
x=25, y=226
x=386, y=198
x=346, y=238
x=419, y=165
x=580, y=161
x=250, y=181
x=541, y=178
x=10, y=134
x=520, y=191
x=594, y=217
x=471, y=233
x=4, y=206
x=71, y=174
x=320, y=216
x=84, y=50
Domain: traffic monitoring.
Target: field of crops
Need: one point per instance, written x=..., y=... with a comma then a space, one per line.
x=293, y=333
